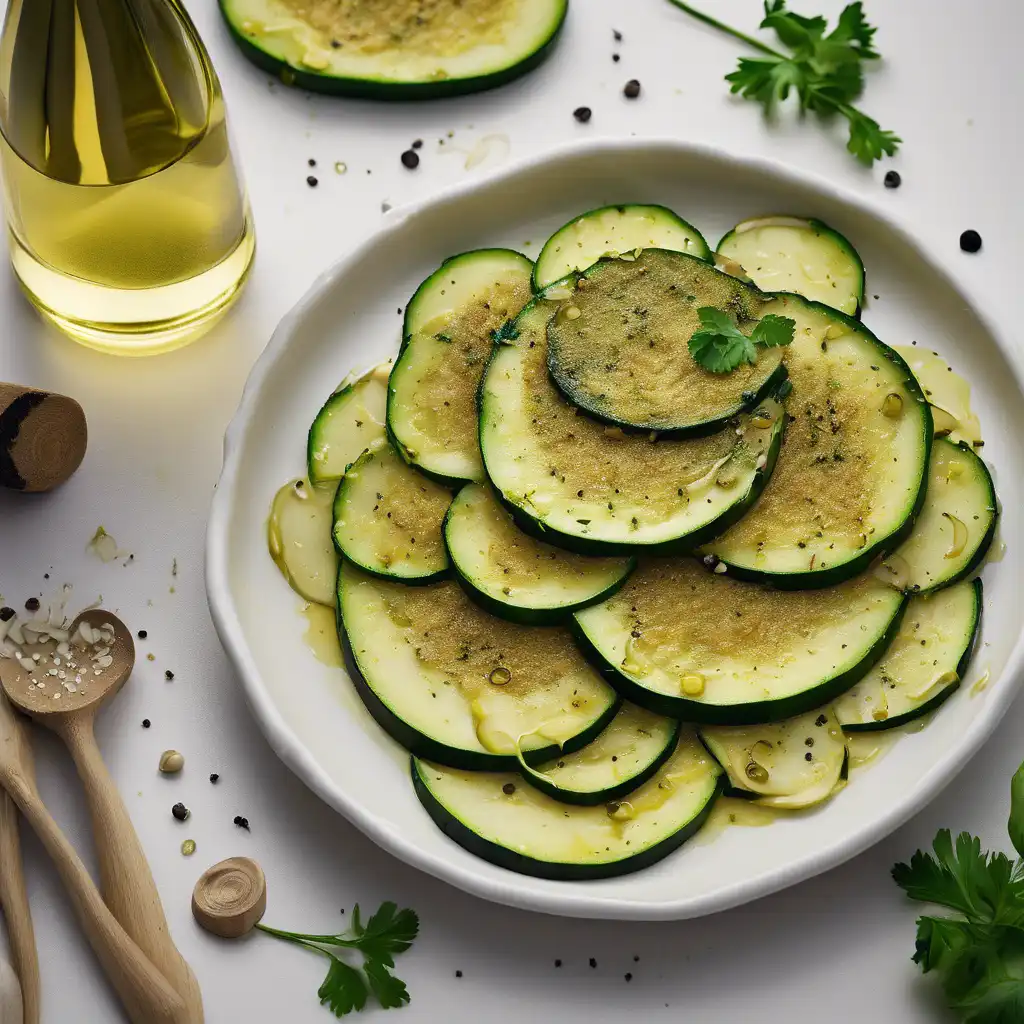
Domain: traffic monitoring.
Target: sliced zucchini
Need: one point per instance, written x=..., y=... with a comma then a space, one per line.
x=452, y=683
x=516, y=576
x=299, y=539
x=351, y=420
x=388, y=518
x=617, y=347
x=925, y=664
x=792, y=764
x=797, y=254
x=957, y=523
x=447, y=339
x=850, y=479
x=609, y=231
x=633, y=747
x=381, y=50
x=498, y=818
x=693, y=644
x=592, y=488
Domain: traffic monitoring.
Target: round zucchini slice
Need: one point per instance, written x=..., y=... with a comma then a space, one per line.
x=617, y=347
x=620, y=760
x=461, y=687
x=379, y=51
x=693, y=644
x=925, y=664
x=954, y=531
x=350, y=422
x=516, y=576
x=447, y=339
x=850, y=479
x=498, y=818
x=612, y=230
x=299, y=539
x=794, y=254
x=388, y=518
x=592, y=488
x=789, y=765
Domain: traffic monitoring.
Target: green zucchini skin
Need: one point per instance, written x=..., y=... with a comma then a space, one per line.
x=751, y=713
x=566, y=872
x=383, y=89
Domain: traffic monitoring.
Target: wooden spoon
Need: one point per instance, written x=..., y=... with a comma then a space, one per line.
x=43, y=437
x=147, y=997
x=69, y=709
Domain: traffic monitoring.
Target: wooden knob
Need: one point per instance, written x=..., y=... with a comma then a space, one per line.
x=231, y=897
x=42, y=438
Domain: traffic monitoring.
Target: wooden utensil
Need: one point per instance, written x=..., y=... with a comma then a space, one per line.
x=146, y=995
x=12, y=1009
x=125, y=878
x=43, y=437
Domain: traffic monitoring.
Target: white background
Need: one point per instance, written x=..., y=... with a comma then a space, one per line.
x=837, y=946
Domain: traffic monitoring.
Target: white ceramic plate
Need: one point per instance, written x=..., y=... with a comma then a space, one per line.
x=310, y=712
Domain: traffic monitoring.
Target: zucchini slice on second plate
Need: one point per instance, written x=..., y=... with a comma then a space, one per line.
x=924, y=664
x=388, y=518
x=461, y=687
x=592, y=488
x=498, y=818
x=447, y=339
x=794, y=254
x=788, y=765
x=516, y=576
x=693, y=644
x=299, y=539
x=633, y=747
x=612, y=230
x=617, y=347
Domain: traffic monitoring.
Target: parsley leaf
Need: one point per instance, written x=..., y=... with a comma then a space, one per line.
x=343, y=989
x=720, y=346
x=389, y=990
x=824, y=69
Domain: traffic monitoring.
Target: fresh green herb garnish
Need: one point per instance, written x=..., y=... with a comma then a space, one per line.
x=825, y=71
x=389, y=932
x=979, y=955
x=720, y=346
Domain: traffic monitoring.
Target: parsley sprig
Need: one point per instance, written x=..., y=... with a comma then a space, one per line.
x=824, y=70
x=387, y=933
x=979, y=954
x=720, y=346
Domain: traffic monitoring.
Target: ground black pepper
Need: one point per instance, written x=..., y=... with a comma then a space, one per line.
x=180, y=812
x=168, y=675
x=312, y=182
x=582, y=114
x=970, y=241
x=146, y=723
x=143, y=634
x=215, y=778
x=32, y=604
x=631, y=89
x=892, y=179
x=242, y=822
x=411, y=159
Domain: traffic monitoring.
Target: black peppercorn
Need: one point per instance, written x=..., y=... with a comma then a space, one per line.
x=6, y=614
x=215, y=778
x=616, y=58
x=582, y=114
x=180, y=812
x=631, y=89
x=168, y=675
x=143, y=634
x=458, y=974
x=970, y=241
x=312, y=182
x=892, y=179
x=32, y=604
x=616, y=35
x=593, y=962
x=628, y=976
x=411, y=159
x=558, y=963
x=808, y=756
x=311, y=162
x=242, y=822
x=146, y=723
x=417, y=144
x=509, y=788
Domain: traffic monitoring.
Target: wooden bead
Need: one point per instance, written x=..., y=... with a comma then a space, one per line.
x=43, y=437
x=230, y=898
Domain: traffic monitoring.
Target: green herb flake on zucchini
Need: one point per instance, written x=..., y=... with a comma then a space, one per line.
x=447, y=339
x=501, y=819
x=299, y=539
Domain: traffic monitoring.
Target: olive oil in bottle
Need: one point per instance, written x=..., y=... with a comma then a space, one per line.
x=128, y=224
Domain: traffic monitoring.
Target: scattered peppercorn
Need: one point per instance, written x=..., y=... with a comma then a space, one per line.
x=892, y=179
x=582, y=114
x=631, y=89
x=32, y=604
x=180, y=812
x=215, y=778
x=616, y=35
x=458, y=974
x=417, y=144
x=593, y=962
x=146, y=723
x=629, y=976
x=311, y=162
x=242, y=822
x=808, y=756
x=509, y=788
x=311, y=181
x=168, y=675
x=6, y=614
x=636, y=959
x=616, y=58
x=970, y=241
x=143, y=634
x=558, y=963
x=411, y=159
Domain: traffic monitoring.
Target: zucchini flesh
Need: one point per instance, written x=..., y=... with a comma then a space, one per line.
x=850, y=478
x=299, y=539
x=794, y=254
x=617, y=347
x=381, y=50
x=925, y=664
x=516, y=576
x=792, y=764
x=452, y=683
x=592, y=488
x=957, y=522
x=447, y=338
x=700, y=646
x=612, y=230
x=350, y=422
x=619, y=760
x=388, y=518
x=497, y=817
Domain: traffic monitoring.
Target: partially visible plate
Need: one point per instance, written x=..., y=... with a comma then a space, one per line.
x=310, y=712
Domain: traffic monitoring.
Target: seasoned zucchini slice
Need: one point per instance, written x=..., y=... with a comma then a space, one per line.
x=299, y=539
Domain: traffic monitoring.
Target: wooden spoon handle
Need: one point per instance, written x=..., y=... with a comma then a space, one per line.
x=125, y=878
x=144, y=992
x=43, y=437
x=14, y=901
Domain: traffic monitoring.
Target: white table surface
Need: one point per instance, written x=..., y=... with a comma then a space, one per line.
x=837, y=946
